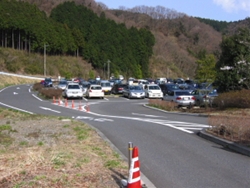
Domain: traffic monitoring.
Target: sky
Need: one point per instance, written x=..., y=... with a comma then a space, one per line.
x=220, y=10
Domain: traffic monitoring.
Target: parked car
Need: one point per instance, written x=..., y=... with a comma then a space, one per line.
x=134, y=91
x=48, y=82
x=153, y=91
x=84, y=85
x=95, y=91
x=73, y=90
x=62, y=84
x=180, y=97
x=118, y=88
x=204, y=96
x=106, y=87
x=143, y=82
x=166, y=87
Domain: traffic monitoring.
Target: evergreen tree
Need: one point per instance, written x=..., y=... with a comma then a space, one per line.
x=234, y=63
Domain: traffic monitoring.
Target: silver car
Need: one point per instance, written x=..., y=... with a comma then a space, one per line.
x=204, y=97
x=134, y=91
x=180, y=97
x=62, y=84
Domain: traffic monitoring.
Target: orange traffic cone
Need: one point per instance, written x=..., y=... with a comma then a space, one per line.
x=72, y=104
x=54, y=100
x=66, y=102
x=80, y=106
x=59, y=101
x=134, y=179
x=87, y=107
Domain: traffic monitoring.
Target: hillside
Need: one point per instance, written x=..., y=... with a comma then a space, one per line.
x=180, y=39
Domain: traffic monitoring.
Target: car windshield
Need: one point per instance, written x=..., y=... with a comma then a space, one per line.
x=135, y=88
x=62, y=83
x=178, y=93
x=154, y=87
x=174, y=87
x=48, y=80
x=73, y=87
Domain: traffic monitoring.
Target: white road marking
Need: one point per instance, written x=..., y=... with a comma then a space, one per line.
x=83, y=117
x=37, y=97
x=44, y=108
x=15, y=93
x=145, y=115
x=182, y=126
x=16, y=108
x=104, y=119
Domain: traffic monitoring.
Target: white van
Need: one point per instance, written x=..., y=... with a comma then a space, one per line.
x=106, y=87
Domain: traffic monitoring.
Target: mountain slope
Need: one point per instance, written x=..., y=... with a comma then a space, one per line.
x=180, y=39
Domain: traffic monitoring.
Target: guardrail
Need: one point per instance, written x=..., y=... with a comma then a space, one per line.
x=23, y=76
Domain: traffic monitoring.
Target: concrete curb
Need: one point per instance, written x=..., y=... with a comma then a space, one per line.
x=225, y=143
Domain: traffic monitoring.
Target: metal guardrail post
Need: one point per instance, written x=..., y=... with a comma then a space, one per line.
x=130, y=151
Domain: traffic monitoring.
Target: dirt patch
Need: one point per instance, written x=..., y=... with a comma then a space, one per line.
x=43, y=151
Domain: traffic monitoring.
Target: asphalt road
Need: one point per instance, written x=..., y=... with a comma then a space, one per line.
x=170, y=152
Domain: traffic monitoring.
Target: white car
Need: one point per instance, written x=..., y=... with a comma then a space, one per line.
x=106, y=87
x=95, y=91
x=73, y=90
x=153, y=91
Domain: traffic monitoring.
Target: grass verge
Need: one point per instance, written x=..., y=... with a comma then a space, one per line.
x=45, y=151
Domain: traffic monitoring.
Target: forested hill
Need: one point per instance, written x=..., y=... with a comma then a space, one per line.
x=178, y=39
x=76, y=30
x=129, y=50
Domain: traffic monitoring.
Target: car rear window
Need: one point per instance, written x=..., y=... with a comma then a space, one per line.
x=105, y=84
x=182, y=93
x=154, y=87
x=73, y=87
x=96, y=87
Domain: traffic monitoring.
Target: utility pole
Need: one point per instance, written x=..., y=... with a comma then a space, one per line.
x=44, y=59
x=108, y=69
x=104, y=76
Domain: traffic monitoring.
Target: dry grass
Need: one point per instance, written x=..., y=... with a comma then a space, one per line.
x=50, y=152
x=13, y=80
x=232, y=125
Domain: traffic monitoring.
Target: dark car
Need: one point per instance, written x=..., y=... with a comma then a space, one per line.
x=118, y=88
x=48, y=82
x=166, y=88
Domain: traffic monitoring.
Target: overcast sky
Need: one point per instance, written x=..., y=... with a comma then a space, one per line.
x=221, y=10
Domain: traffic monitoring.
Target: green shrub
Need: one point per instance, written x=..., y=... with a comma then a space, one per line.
x=12, y=66
x=33, y=69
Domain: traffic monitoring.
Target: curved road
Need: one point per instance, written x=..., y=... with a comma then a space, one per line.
x=170, y=152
